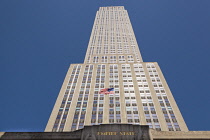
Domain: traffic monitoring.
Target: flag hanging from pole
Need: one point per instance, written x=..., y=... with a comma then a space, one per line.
x=107, y=91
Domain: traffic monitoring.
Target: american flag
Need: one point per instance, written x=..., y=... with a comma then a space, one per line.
x=107, y=91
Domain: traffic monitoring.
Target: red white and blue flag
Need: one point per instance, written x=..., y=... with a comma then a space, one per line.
x=107, y=91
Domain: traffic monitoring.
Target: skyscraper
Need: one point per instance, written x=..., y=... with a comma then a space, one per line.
x=113, y=60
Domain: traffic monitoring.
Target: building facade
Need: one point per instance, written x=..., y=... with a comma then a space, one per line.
x=113, y=60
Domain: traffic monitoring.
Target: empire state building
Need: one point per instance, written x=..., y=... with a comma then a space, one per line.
x=113, y=60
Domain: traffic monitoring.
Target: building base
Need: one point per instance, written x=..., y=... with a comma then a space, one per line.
x=109, y=132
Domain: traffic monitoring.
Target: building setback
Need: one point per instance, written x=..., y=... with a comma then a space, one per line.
x=113, y=60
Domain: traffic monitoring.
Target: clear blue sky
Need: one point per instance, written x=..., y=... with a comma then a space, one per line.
x=39, y=39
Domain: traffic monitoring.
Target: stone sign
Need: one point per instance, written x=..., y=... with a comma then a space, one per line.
x=116, y=131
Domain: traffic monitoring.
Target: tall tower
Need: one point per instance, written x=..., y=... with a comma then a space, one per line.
x=113, y=60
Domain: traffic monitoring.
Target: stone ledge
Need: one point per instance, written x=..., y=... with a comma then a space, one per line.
x=180, y=134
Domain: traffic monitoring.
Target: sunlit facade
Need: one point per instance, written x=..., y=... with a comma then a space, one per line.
x=113, y=60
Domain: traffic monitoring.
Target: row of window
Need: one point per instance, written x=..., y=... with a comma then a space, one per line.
x=81, y=106
x=130, y=100
x=97, y=109
x=162, y=98
x=114, y=102
x=66, y=102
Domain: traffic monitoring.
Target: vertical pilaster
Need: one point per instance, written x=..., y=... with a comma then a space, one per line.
x=155, y=101
x=138, y=98
x=70, y=117
x=106, y=97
